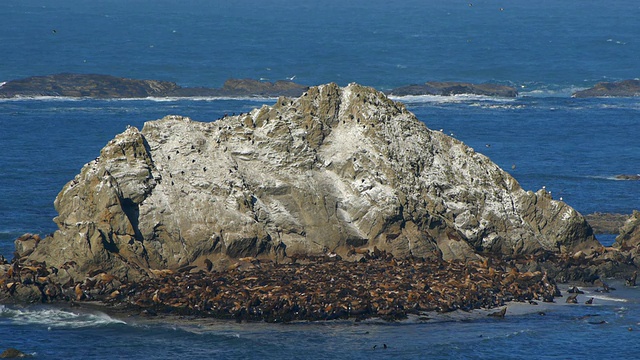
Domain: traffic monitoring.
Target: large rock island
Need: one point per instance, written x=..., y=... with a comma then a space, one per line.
x=338, y=173
x=334, y=170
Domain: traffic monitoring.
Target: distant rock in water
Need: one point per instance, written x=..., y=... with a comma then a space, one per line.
x=628, y=177
x=455, y=88
x=85, y=85
x=625, y=88
x=606, y=223
x=109, y=87
x=335, y=171
x=245, y=87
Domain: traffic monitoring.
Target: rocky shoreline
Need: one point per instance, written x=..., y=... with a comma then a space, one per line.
x=367, y=285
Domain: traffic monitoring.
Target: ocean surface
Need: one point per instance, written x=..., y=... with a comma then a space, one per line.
x=544, y=138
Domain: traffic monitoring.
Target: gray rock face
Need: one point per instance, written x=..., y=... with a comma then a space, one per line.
x=455, y=88
x=625, y=88
x=330, y=171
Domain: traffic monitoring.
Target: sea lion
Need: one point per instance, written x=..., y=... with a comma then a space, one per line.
x=499, y=314
x=575, y=290
x=573, y=299
x=589, y=302
x=631, y=281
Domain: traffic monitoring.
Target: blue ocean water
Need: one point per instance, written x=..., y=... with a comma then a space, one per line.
x=547, y=49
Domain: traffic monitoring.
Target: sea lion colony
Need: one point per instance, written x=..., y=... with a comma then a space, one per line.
x=300, y=288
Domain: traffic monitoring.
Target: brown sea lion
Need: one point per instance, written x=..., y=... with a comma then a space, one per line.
x=499, y=314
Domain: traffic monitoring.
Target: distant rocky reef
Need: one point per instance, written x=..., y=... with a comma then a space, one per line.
x=606, y=223
x=455, y=88
x=110, y=87
x=625, y=88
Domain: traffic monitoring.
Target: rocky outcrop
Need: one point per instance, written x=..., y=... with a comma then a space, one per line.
x=334, y=172
x=108, y=87
x=455, y=88
x=85, y=85
x=629, y=237
x=625, y=88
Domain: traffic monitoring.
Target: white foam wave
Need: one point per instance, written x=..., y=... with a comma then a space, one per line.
x=447, y=99
x=200, y=98
x=607, y=298
x=612, y=178
x=57, y=318
x=551, y=92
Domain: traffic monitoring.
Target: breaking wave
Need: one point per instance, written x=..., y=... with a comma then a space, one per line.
x=418, y=99
x=56, y=318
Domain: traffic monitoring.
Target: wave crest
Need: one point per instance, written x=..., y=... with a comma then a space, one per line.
x=56, y=318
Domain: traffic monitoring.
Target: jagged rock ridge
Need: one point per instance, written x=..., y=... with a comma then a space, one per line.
x=334, y=170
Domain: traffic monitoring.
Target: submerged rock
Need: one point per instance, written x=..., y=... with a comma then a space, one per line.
x=12, y=353
x=455, y=88
x=625, y=88
x=333, y=172
x=628, y=177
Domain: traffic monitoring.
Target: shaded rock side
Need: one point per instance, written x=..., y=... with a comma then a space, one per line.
x=629, y=237
x=625, y=88
x=334, y=170
x=455, y=88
